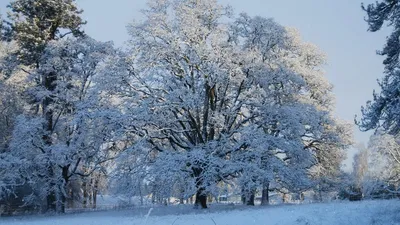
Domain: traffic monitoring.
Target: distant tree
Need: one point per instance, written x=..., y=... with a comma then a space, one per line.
x=330, y=153
x=386, y=158
x=360, y=166
x=377, y=168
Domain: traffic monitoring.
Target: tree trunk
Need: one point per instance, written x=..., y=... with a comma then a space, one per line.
x=65, y=170
x=95, y=190
x=94, y=199
x=201, y=199
x=320, y=195
x=264, y=194
x=140, y=193
x=153, y=198
x=85, y=194
x=181, y=197
x=51, y=195
x=71, y=199
x=201, y=196
x=51, y=202
x=90, y=198
x=250, y=198
x=49, y=84
x=63, y=202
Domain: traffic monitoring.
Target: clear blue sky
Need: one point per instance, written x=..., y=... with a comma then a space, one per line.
x=337, y=27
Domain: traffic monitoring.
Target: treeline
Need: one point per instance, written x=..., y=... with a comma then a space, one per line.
x=200, y=102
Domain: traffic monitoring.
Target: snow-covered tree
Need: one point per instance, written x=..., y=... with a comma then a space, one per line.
x=11, y=105
x=382, y=111
x=329, y=148
x=381, y=114
x=329, y=152
x=84, y=126
x=34, y=23
x=221, y=102
x=10, y=102
x=284, y=45
x=376, y=168
x=386, y=161
x=360, y=166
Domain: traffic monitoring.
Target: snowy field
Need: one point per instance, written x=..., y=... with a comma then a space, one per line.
x=341, y=213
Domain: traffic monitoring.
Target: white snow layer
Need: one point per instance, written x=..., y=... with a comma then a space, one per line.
x=341, y=213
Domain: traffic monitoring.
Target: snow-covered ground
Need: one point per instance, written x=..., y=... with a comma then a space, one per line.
x=342, y=213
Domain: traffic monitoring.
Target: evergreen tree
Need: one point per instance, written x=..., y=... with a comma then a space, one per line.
x=383, y=111
x=34, y=23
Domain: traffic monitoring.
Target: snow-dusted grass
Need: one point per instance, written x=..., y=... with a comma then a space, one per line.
x=341, y=213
